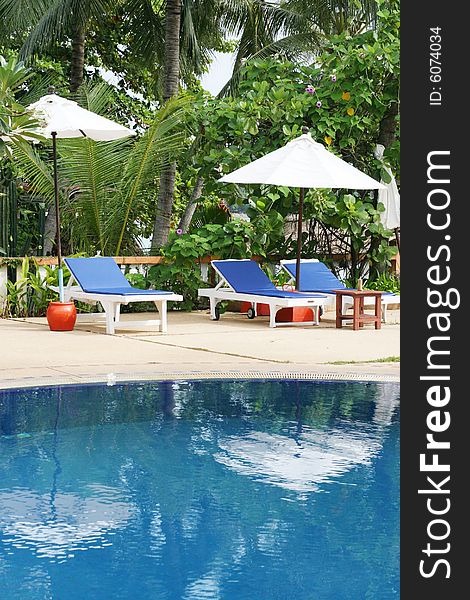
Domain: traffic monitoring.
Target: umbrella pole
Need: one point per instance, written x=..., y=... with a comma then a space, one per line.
x=57, y=217
x=299, y=238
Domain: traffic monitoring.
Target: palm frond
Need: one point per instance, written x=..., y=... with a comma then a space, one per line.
x=90, y=170
x=96, y=97
x=35, y=172
x=154, y=151
x=144, y=21
x=16, y=16
x=57, y=18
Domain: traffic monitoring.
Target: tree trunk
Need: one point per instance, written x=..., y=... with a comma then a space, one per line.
x=388, y=126
x=78, y=58
x=50, y=231
x=186, y=219
x=170, y=88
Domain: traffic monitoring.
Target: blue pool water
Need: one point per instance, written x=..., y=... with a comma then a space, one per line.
x=213, y=490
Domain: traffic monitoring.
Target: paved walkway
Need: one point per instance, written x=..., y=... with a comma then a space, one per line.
x=194, y=347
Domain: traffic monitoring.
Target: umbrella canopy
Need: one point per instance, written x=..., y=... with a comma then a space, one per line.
x=64, y=118
x=67, y=119
x=303, y=163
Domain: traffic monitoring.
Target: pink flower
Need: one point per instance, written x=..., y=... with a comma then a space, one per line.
x=179, y=232
x=310, y=89
x=318, y=105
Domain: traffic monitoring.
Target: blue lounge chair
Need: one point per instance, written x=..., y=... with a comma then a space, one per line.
x=101, y=280
x=244, y=280
x=315, y=276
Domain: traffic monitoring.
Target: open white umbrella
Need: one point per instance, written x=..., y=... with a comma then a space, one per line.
x=64, y=118
x=303, y=163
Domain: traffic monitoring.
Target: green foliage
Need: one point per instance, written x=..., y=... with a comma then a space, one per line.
x=30, y=295
x=343, y=98
x=184, y=279
x=385, y=282
x=235, y=239
x=16, y=123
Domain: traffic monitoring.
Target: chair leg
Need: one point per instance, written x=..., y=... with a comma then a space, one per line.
x=162, y=309
x=109, y=309
x=272, y=314
x=213, y=305
x=316, y=314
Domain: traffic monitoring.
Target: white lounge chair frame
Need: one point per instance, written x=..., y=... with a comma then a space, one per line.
x=111, y=305
x=331, y=298
x=224, y=291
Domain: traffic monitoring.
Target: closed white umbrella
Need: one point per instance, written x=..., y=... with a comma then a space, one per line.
x=389, y=197
x=303, y=163
x=64, y=118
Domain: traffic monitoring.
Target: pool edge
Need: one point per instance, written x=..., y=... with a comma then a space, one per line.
x=115, y=378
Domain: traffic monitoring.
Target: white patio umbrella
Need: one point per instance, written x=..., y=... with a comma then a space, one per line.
x=64, y=118
x=390, y=198
x=303, y=163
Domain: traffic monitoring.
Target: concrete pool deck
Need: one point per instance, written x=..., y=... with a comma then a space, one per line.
x=195, y=347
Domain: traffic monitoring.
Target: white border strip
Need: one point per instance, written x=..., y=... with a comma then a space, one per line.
x=112, y=378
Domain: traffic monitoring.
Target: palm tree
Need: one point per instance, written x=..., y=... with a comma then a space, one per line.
x=44, y=22
x=171, y=87
x=180, y=35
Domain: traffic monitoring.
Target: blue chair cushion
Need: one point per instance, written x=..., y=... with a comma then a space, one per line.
x=102, y=275
x=247, y=277
x=127, y=291
x=316, y=276
x=244, y=276
x=284, y=294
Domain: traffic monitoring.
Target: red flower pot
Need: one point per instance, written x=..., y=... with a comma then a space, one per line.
x=61, y=316
x=297, y=314
x=262, y=310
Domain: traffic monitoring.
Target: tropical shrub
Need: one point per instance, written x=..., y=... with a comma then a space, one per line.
x=347, y=99
x=385, y=282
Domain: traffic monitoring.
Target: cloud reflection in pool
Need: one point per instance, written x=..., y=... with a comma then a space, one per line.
x=297, y=464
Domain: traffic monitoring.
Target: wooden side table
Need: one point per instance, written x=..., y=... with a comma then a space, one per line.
x=358, y=316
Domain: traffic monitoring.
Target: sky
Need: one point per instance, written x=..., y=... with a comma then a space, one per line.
x=219, y=72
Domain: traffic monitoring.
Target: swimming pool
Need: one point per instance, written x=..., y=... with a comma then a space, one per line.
x=215, y=490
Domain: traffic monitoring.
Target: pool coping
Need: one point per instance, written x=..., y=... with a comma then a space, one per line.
x=112, y=378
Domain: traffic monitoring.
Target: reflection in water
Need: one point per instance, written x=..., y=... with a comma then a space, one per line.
x=77, y=523
x=299, y=464
x=208, y=490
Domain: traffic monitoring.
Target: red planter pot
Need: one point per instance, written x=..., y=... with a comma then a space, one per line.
x=297, y=314
x=262, y=310
x=61, y=316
